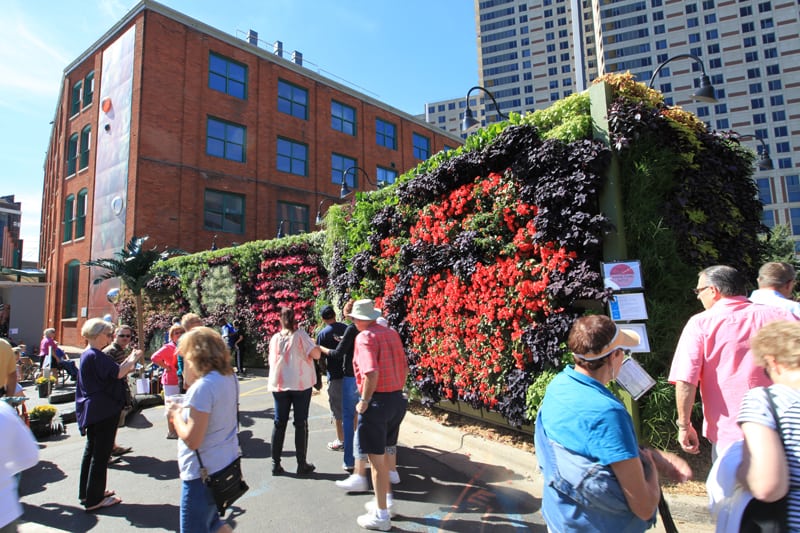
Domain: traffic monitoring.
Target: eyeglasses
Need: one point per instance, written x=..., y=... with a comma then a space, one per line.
x=123, y=335
x=626, y=354
x=698, y=290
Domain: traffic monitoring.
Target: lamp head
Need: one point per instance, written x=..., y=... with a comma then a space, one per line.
x=318, y=220
x=469, y=122
x=764, y=162
x=345, y=190
x=706, y=91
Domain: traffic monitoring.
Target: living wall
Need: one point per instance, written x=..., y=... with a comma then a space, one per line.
x=483, y=256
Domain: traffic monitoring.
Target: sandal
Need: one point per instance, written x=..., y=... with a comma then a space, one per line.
x=108, y=501
x=120, y=450
x=336, y=445
x=105, y=495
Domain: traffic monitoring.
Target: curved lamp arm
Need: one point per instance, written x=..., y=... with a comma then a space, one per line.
x=345, y=191
x=764, y=162
x=706, y=91
x=318, y=220
x=470, y=121
x=280, y=229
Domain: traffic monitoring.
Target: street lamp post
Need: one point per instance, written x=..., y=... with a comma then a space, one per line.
x=705, y=93
x=345, y=191
x=280, y=229
x=764, y=162
x=469, y=122
x=318, y=220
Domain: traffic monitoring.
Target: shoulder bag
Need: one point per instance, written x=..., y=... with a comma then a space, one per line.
x=228, y=484
x=767, y=517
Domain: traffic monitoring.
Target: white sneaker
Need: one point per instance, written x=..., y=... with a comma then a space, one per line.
x=372, y=507
x=394, y=477
x=354, y=483
x=371, y=521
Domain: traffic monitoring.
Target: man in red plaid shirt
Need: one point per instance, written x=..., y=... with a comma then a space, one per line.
x=381, y=367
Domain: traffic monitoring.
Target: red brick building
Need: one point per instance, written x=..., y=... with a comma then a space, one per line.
x=170, y=128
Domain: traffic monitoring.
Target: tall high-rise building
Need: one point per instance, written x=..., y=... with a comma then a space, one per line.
x=534, y=52
x=10, y=243
x=171, y=128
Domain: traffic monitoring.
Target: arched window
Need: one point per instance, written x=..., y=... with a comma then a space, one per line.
x=72, y=154
x=80, y=215
x=88, y=89
x=69, y=216
x=86, y=137
x=71, y=289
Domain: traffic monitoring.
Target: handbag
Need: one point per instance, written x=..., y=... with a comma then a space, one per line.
x=767, y=517
x=227, y=485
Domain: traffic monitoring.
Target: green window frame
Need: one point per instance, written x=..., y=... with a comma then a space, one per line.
x=226, y=140
x=340, y=163
x=385, y=176
x=88, y=89
x=72, y=154
x=223, y=211
x=385, y=134
x=292, y=157
x=293, y=217
x=80, y=213
x=343, y=118
x=227, y=76
x=75, y=102
x=422, y=146
x=72, y=277
x=86, y=139
x=69, y=217
x=292, y=100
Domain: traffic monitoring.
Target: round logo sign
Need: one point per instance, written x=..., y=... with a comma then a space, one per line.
x=622, y=275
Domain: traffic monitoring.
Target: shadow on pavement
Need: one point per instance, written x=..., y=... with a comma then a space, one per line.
x=142, y=464
x=59, y=517
x=247, y=418
x=36, y=478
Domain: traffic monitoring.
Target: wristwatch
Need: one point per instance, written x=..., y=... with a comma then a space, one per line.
x=362, y=399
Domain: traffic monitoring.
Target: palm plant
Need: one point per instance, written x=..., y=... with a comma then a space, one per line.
x=133, y=266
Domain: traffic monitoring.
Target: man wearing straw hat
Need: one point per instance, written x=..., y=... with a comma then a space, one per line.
x=381, y=367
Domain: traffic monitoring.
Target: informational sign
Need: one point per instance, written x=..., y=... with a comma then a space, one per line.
x=625, y=307
x=634, y=379
x=641, y=329
x=623, y=275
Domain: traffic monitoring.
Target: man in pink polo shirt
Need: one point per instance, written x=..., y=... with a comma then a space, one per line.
x=714, y=351
x=381, y=367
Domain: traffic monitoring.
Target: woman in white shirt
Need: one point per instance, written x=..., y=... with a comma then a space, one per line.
x=291, y=376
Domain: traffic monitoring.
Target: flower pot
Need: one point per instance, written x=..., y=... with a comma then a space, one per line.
x=44, y=390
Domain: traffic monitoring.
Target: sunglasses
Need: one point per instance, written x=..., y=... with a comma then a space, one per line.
x=123, y=335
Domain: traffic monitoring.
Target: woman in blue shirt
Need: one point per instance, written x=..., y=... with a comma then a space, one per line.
x=596, y=476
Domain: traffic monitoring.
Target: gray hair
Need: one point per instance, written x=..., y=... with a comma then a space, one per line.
x=727, y=280
x=96, y=326
x=49, y=331
x=775, y=274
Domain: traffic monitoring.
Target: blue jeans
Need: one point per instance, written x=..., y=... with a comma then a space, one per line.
x=349, y=401
x=198, y=510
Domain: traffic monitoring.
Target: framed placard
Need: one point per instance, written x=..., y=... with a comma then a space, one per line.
x=622, y=275
x=625, y=307
x=641, y=329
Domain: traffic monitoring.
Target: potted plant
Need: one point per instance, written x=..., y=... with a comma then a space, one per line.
x=40, y=418
x=45, y=385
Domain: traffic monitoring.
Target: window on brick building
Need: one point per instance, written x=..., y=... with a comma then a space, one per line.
x=80, y=213
x=86, y=138
x=72, y=154
x=69, y=217
x=71, y=276
x=223, y=211
x=225, y=139
x=385, y=134
x=227, y=76
x=292, y=157
x=387, y=176
x=340, y=163
x=75, y=102
x=88, y=89
x=293, y=218
x=422, y=146
x=292, y=100
x=343, y=118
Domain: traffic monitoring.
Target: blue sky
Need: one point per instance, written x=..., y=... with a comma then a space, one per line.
x=402, y=52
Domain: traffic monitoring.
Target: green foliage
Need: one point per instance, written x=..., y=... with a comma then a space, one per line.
x=658, y=415
x=218, y=287
x=778, y=245
x=568, y=119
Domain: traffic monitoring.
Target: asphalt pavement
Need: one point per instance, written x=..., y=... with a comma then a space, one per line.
x=449, y=481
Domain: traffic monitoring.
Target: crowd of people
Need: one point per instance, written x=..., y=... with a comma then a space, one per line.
x=742, y=354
